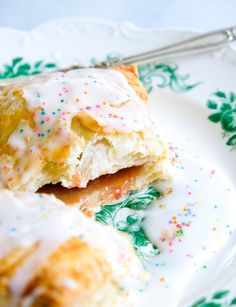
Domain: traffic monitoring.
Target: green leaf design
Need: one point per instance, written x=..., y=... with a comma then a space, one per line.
x=220, y=94
x=124, y=217
x=220, y=294
x=132, y=219
x=211, y=104
x=38, y=64
x=141, y=200
x=211, y=304
x=218, y=299
x=164, y=75
x=19, y=67
x=232, y=140
x=228, y=121
x=199, y=302
x=16, y=61
x=50, y=65
x=215, y=117
x=232, y=96
x=225, y=106
x=233, y=302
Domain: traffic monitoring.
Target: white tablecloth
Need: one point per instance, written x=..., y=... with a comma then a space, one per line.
x=197, y=14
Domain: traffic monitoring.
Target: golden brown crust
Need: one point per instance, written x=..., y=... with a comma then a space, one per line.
x=9, y=265
x=75, y=261
x=75, y=271
x=131, y=74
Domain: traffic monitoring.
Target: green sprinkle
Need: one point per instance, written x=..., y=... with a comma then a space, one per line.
x=62, y=100
x=179, y=233
x=21, y=130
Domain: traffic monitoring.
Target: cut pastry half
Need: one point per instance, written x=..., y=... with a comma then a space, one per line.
x=72, y=129
x=52, y=255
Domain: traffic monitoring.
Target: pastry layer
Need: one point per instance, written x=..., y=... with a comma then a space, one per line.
x=52, y=255
x=108, y=188
x=73, y=127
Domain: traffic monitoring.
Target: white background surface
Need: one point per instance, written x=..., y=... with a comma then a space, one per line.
x=198, y=14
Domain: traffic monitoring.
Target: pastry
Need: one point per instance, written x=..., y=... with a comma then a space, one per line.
x=71, y=128
x=52, y=255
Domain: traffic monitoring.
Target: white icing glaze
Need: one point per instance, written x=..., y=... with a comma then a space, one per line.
x=195, y=230
x=104, y=94
x=29, y=218
x=54, y=100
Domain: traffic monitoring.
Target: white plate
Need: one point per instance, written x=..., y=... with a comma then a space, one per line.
x=200, y=259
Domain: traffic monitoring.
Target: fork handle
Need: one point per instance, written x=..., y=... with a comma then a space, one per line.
x=197, y=44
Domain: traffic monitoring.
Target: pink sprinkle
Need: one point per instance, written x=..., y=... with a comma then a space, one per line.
x=98, y=106
x=47, y=119
x=88, y=108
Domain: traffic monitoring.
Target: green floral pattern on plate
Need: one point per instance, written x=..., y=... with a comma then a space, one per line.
x=19, y=67
x=223, y=106
x=220, y=298
x=164, y=76
x=124, y=217
x=161, y=75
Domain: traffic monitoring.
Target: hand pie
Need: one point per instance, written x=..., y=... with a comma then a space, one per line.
x=52, y=255
x=76, y=126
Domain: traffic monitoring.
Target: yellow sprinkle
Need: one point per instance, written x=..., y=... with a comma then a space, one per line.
x=168, y=191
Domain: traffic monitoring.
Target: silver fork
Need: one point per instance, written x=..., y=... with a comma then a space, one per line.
x=197, y=44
